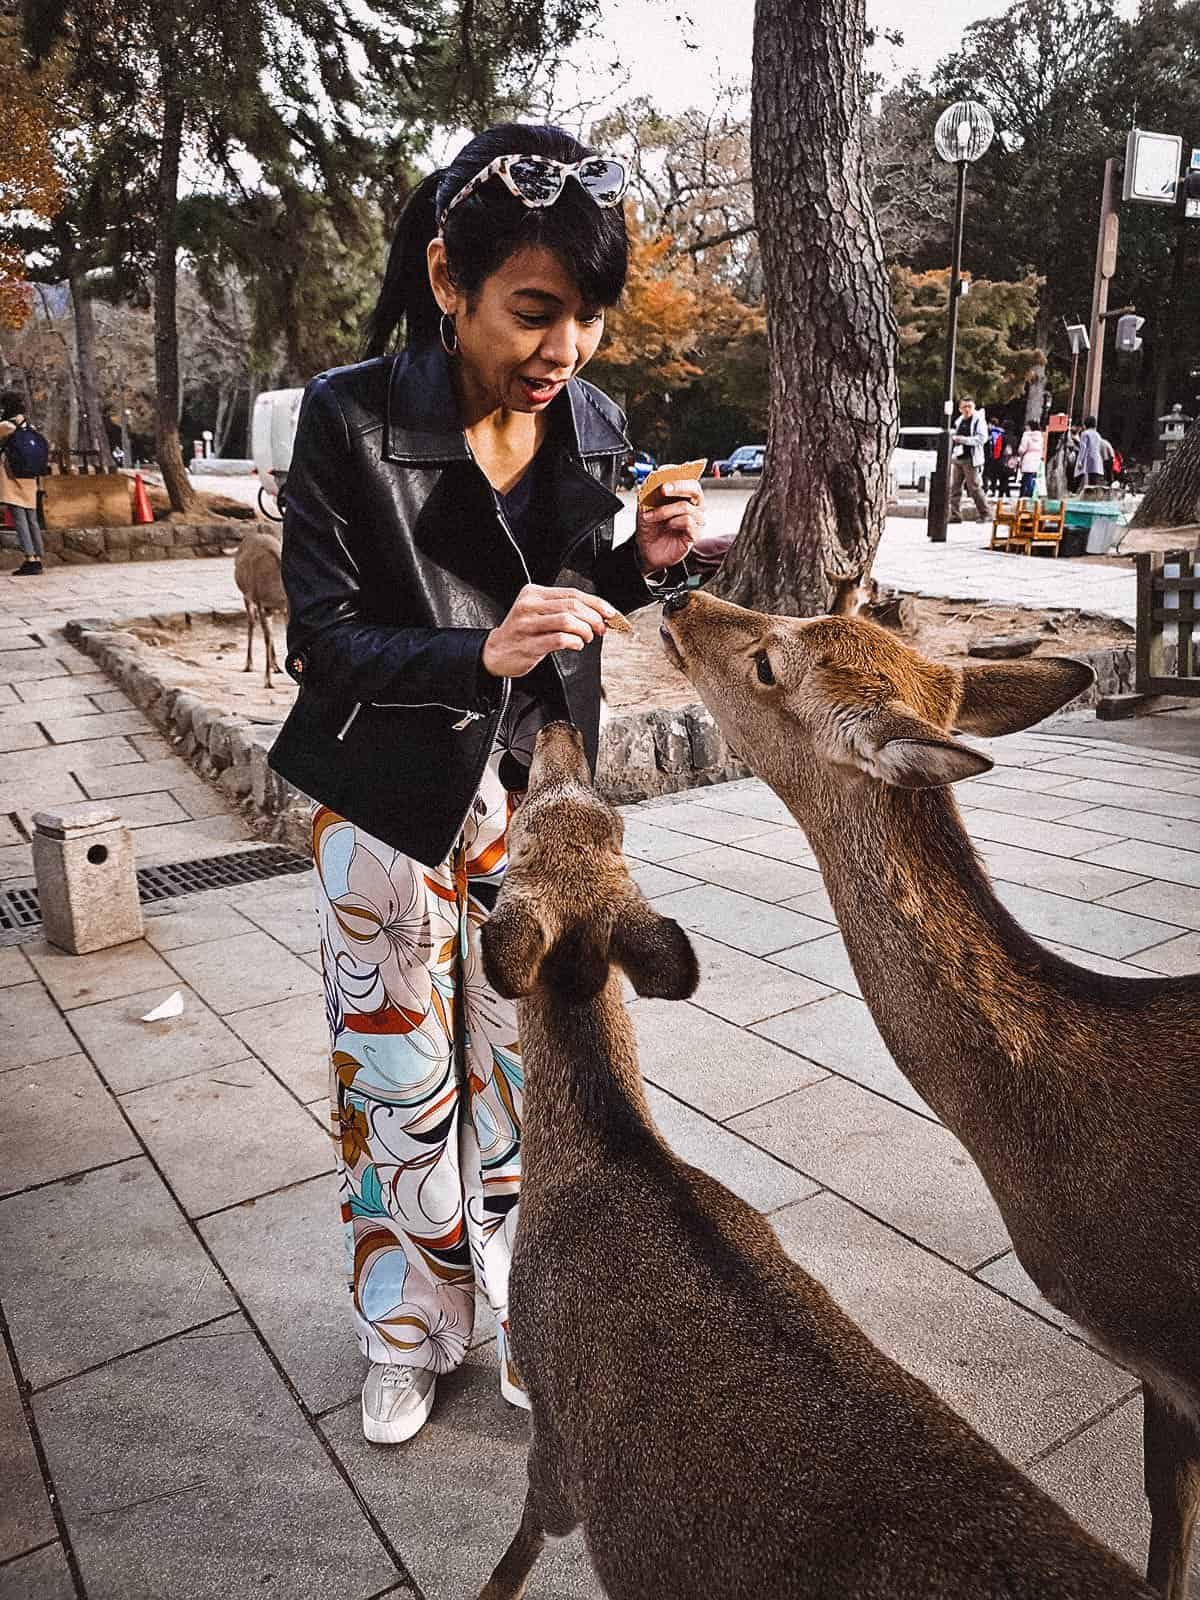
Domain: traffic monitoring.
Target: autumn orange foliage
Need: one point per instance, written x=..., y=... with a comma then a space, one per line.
x=29, y=180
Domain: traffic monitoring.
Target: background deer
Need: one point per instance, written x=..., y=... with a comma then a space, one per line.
x=701, y=1406
x=256, y=573
x=1077, y=1094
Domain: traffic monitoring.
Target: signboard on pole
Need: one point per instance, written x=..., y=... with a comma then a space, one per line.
x=1152, y=163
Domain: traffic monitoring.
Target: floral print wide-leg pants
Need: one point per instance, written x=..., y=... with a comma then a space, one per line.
x=425, y=1083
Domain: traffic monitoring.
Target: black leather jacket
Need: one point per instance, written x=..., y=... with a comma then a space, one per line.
x=397, y=562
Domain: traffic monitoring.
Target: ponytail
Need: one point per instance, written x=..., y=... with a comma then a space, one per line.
x=406, y=297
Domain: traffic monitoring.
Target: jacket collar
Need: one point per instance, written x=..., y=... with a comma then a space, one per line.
x=422, y=423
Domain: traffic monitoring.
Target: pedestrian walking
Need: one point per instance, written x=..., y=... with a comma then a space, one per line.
x=968, y=443
x=449, y=564
x=1089, y=461
x=24, y=458
x=993, y=458
x=1030, y=452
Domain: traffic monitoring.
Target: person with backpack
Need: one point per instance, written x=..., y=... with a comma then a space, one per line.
x=24, y=458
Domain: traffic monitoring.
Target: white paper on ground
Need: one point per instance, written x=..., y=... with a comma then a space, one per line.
x=172, y=1006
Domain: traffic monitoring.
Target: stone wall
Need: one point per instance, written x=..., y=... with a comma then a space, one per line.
x=642, y=753
x=153, y=541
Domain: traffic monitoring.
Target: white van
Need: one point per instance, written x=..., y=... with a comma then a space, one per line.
x=276, y=413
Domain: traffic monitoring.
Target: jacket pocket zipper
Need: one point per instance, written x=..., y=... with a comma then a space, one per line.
x=465, y=719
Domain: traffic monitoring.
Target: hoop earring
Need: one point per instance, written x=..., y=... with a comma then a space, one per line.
x=449, y=345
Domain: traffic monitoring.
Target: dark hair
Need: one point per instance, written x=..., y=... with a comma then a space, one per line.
x=12, y=405
x=490, y=226
x=1089, y=422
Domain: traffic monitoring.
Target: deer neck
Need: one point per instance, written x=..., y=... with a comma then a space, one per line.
x=958, y=990
x=583, y=1087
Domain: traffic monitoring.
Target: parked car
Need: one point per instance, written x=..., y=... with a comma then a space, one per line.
x=636, y=468
x=915, y=457
x=745, y=462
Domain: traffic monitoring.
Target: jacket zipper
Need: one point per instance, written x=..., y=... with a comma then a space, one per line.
x=467, y=717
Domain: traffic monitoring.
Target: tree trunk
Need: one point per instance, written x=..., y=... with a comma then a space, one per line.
x=831, y=334
x=1173, y=498
x=166, y=334
x=95, y=434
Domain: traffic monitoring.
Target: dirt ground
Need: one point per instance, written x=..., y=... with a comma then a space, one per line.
x=208, y=657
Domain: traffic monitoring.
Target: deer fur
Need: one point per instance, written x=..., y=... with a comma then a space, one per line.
x=701, y=1407
x=256, y=571
x=1076, y=1093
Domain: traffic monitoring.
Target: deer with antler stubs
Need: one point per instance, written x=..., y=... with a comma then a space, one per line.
x=1077, y=1093
x=256, y=571
x=701, y=1407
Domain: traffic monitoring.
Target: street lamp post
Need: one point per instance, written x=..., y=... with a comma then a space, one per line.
x=963, y=133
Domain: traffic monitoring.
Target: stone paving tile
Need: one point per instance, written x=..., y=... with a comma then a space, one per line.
x=25, y=1516
x=288, y=914
x=291, y=1036
x=183, y=841
x=97, y=725
x=706, y=822
x=132, y=1054
x=16, y=861
x=98, y=1266
x=198, y=799
x=1086, y=925
x=23, y=714
x=654, y=880
x=44, y=1575
x=1095, y=963
x=711, y=1064
x=22, y=666
x=227, y=1135
x=742, y=988
x=1009, y=1276
x=1173, y=902
x=58, y=1119
x=58, y=686
x=1029, y=805
x=757, y=876
x=140, y=811
x=1177, y=958
x=746, y=800
x=242, y=1502
x=1175, y=780
x=1051, y=838
x=285, y=1256
x=1166, y=862
x=738, y=920
x=645, y=842
x=838, y=1033
x=816, y=903
x=903, y=1169
x=1123, y=796
x=1020, y=1383
x=469, y=1462
x=103, y=975
x=9, y=833
x=111, y=700
x=194, y=919
x=1182, y=833
x=1027, y=780
x=1078, y=880
x=781, y=844
x=140, y=778
x=59, y=760
x=14, y=968
x=31, y=1029
x=823, y=960
x=250, y=970
x=20, y=736
x=1097, y=1478
x=150, y=746
x=760, y=1180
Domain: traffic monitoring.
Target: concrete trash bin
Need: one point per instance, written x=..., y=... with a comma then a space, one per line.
x=86, y=879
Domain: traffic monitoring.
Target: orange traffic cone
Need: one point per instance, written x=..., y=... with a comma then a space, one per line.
x=716, y=472
x=141, y=501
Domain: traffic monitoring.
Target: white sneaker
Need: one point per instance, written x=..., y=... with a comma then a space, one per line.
x=396, y=1402
x=510, y=1386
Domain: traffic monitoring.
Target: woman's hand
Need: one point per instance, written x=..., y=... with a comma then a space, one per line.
x=669, y=527
x=541, y=621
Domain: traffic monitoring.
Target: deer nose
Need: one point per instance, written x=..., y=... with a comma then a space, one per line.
x=676, y=602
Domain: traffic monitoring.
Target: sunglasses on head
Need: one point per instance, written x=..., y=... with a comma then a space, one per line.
x=538, y=181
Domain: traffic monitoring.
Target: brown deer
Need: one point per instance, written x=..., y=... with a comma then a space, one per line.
x=854, y=593
x=1077, y=1094
x=701, y=1407
x=256, y=573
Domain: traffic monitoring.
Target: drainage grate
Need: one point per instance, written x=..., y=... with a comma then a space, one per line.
x=19, y=908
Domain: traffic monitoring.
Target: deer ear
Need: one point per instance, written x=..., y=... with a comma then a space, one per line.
x=513, y=942
x=654, y=951
x=902, y=749
x=1006, y=696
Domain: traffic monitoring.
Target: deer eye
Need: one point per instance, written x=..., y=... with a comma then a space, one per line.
x=762, y=666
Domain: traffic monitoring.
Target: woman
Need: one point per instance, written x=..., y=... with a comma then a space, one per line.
x=1029, y=456
x=448, y=557
x=19, y=494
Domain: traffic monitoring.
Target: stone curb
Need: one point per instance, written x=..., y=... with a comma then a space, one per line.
x=153, y=541
x=643, y=754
